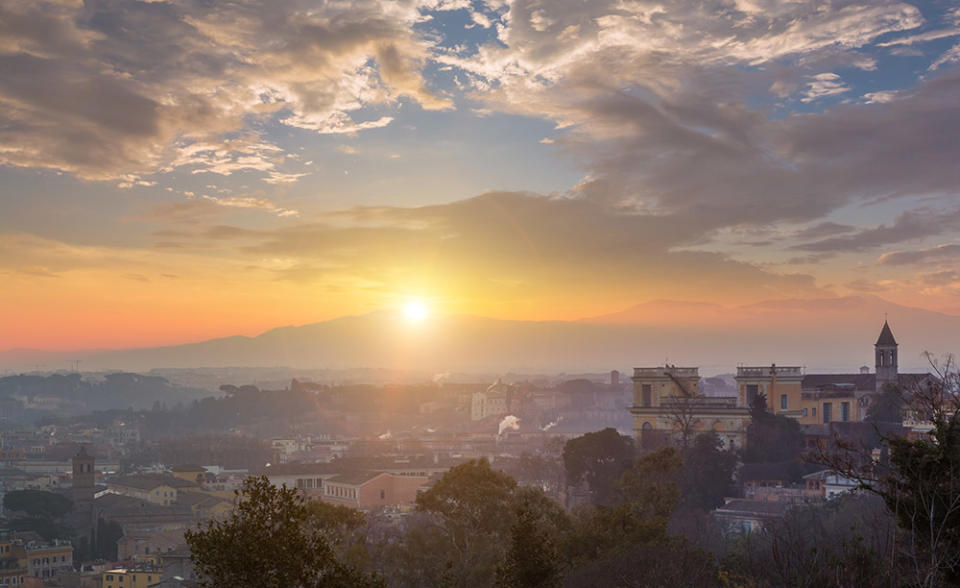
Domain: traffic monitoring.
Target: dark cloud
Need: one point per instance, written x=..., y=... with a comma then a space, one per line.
x=824, y=229
x=667, y=110
x=908, y=225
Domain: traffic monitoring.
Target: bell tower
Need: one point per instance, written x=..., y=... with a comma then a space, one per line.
x=885, y=350
x=84, y=479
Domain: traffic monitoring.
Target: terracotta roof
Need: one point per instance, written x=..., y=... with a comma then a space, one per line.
x=118, y=505
x=886, y=336
x=839, y=381
x=198, y=498
x=291, y=469
x=354, y=478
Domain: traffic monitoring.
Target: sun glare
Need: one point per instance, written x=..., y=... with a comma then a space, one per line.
x=415, y=311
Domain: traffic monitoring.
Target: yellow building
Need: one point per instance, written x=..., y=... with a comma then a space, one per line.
x=192, y=473
x=140, y=575
x=13, y=564
x=782, y=386
x=668, y=407
x=46, y=561
x=154, y=488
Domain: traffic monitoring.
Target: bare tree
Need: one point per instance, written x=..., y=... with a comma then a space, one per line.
x=682, y=411
x=919, y=477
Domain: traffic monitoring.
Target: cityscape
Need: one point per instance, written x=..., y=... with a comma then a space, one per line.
x=479, y=293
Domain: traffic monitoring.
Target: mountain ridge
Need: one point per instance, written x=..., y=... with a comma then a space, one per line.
x=827, y=333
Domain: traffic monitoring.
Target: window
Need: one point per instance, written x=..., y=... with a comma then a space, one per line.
x=804, y=412
x=813, y=411
x=753, y=390
x=783, y=402
x=647, y=394
x=844, y=411
x=383, y=495
x=827, y=412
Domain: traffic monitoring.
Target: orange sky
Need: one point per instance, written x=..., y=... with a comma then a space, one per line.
x=171, y=173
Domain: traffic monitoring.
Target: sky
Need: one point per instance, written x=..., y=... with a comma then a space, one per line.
x=172, y=171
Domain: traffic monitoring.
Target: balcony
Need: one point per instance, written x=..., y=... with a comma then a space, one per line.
x=661, y=372
x=700, y=402
x=768, y=370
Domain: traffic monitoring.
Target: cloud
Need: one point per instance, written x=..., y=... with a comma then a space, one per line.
x=944, y=278
x=880, y=97
x=951, y=55
x=822, y=85
x=657, y=106
x=938, y=253
x=185, y=211
x=908, y=225
x=507, y=246
x=921, y=38
x=823, y=229
x=251, y=202
x=113, y=88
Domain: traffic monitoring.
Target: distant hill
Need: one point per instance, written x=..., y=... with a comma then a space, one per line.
x=822, y=334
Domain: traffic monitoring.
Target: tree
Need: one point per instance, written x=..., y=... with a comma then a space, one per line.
x=920, y=483
x=627, y=544
x=108, y=533
x=682, y=410
x=344, y=528
x=473, y=507
x=770, y=437
x=707, y=472
x=600, y=459
x=268, y=541
x=887, y=406
x=38, y=503
x=844, y=542
x=44, y=512
x=534, y=558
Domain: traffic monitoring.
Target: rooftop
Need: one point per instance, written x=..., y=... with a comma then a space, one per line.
x=354, y=478
x=150, y=481
x=742, y=507
x=886, y=336
x=667, y=370
x=769, y=370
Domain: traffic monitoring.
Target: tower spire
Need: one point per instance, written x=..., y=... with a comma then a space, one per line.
x=885, y=350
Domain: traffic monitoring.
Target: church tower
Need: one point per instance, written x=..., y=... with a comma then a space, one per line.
x=84, y=479
x=886, y=357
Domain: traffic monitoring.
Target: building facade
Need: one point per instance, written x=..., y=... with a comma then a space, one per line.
x=782, y=386
x=668, y=407
x=371, y=490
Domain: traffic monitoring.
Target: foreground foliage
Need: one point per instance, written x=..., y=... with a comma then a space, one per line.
x=270, y=540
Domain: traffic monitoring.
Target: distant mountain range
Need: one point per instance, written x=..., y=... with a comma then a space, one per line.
x=826, y=334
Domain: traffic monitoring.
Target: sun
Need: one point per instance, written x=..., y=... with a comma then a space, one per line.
x=416, y=311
